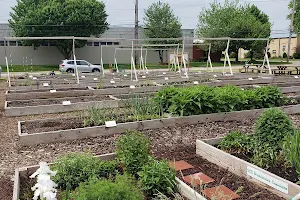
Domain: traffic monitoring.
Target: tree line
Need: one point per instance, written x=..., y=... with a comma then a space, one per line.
x=85, y=18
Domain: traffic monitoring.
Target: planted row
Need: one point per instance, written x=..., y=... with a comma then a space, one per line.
x=198, y=100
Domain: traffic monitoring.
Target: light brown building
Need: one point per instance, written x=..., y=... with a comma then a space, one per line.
x=279, y=46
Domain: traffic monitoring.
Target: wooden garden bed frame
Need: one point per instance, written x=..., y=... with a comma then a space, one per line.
x=253, y=173
x=96, y=131
x=184, y=189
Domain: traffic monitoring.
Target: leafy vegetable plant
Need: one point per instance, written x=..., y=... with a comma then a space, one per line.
x=74, y=168
x=235, y=142
x=156, y=177
x=122, y=188
x=133, y=151
x=291, y=149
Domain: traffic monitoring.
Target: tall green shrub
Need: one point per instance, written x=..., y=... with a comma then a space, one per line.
x=270, y=130
x=133, y=150
x=122, y=188
x=156, y=177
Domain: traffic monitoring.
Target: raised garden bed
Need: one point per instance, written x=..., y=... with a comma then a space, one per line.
x=205, y=176
x=22, y=174
x=265, y=179
x=46, y=130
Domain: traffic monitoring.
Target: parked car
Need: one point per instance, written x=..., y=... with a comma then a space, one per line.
x=82, y=66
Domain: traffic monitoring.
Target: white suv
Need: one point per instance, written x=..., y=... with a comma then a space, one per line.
x=82, y=66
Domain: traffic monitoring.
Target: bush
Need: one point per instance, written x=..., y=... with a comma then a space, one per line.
x=284, y=55
x=291, y=149
x=232, y=55
x=123, y=188
x=235, y=142
x=296, y=55
x=270, y=130
x=156, y=177
x=74, y=168
x=198, y=100
x=133, y=150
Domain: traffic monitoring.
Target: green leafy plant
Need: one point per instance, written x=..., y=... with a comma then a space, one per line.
x=133, y=150
x=291, y=149
x=156, y=177
x=235, y=142
x=74, y=168
x=197, y=100
x=122, y=188
x=270, y=130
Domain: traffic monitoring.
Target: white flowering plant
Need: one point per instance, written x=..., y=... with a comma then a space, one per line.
x=45, y=188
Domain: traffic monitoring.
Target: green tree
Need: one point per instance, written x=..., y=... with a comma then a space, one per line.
x=46, y=18
x=235, y=21
x=160, y=22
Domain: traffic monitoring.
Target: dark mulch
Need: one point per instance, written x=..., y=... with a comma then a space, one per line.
x=38, y=102
x=6, y=188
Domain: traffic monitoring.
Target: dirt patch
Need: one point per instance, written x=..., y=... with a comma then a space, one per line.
x=45, y=90
x=38, y=102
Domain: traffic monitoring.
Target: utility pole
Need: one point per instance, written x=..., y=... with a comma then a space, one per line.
x=136, y=35
x=291, y=30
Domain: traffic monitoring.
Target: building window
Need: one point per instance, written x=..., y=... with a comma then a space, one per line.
x=103, y=44
x=96, y=44
x=109, y=43
x=116, y=43
x=12, y=43
x=274, y=51
x=89, y=44
x=19, y=43
x=1, y=43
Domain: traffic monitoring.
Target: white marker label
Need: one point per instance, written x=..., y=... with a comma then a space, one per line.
x=132, y=87
x=166, y=78
x=267, y=179
x=112, y=81
x=73, y=74
x=95, y=79
x=215, y=76
x=30, y=76
x=66, y=103
x=164, y=73
x=250, y=79
x=296, y=76
x=147, y=72
x=110, y=124
x=196, y=83
x=125, y=75
x=143, y=76
x=46, y=84
x=52, y=91
x=34, y=78
x=82, y=76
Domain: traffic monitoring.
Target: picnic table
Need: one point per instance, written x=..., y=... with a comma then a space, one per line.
x=252, y=68
x=289, y=70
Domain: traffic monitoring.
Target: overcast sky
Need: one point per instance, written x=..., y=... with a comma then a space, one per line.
x=121, y=12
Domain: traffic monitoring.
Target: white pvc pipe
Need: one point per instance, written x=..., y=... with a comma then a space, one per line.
x=77, y=76
x=8, y=74
x=297, y=197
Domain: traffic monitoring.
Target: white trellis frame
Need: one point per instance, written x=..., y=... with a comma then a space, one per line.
x=227, y=58
x=266, y=58
x=39, y=38
x=208, y=63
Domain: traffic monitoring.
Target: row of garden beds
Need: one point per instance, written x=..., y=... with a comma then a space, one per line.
x=82, y=91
